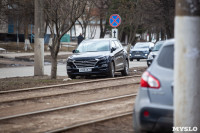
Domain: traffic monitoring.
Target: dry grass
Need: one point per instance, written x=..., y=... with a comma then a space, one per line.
x=36, y=81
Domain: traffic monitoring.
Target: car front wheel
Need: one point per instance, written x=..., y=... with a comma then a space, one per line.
x=111, y=70
x=125, y=71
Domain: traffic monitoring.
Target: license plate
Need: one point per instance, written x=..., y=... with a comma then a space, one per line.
x=137, y=55
x=85, y=69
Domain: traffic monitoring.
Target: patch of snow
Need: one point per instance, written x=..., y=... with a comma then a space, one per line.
x=2, y=49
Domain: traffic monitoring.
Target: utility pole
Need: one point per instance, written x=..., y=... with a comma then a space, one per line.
x=187, y=65
x=39, y=39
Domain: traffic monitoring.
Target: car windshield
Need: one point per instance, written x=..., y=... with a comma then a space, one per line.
x=141, y=45
x=157, y=46
x=93, y=46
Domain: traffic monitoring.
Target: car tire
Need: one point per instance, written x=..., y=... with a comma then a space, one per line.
x=111, y=73
x=125, y=72
x=138, y=59
x=72, y=76
x=135, y=125
x=131, y=59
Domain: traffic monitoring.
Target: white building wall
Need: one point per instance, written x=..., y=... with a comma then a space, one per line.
x=3, y=27
x=92, y=31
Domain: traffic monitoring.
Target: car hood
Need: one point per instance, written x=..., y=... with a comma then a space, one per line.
x=89, y=55
x=140, y=49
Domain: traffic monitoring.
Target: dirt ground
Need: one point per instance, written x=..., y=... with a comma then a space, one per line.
x=35, y=81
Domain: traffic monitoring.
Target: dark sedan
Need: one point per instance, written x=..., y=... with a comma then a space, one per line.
x=140, y=50
x=98, y=57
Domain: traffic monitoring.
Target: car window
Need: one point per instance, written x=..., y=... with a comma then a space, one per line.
x=141, y=45
x=113, y=44
x=118, y=45
x=166, y=57
x=94, y=46
x=157, y=46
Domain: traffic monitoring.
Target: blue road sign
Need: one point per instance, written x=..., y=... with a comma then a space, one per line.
x=115, y=20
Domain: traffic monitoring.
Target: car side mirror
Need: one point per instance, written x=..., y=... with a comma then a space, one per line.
x=113, y=49
x=75, y=51
x=150, y=49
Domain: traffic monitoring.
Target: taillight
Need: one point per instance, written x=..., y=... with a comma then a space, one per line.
x=146, y=113
x=149, y=81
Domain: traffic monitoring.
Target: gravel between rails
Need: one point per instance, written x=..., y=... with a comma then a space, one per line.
x=35, y=104
x=119, y=124
x=60, y=89
x=66, y=117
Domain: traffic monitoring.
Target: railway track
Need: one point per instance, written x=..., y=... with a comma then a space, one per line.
x=89, y=124
x=14, y=95
x=61, y=107
x=55, y=119
x=40, y=103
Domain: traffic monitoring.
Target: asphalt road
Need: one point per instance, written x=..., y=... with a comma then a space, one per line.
x=61, y=70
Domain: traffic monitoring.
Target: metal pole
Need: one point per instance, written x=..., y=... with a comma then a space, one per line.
x=39, y=39
x=187, y=66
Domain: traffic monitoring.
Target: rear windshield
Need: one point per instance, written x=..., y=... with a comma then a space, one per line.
x=166, y=57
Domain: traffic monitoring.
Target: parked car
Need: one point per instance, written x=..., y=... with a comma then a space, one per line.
x=154, y=52
x=140, y=50
x=153, y=109
x=98, y=57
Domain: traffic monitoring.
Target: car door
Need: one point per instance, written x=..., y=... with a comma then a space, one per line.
x=119, y=55
x=115, y=55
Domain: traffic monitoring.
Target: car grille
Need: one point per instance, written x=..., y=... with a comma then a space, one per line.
x=137, y=52
x=85, y=63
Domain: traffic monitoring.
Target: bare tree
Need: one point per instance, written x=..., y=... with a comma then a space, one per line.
x=3, y=8
x=87, y=17
x=159, y=15
x=62, y=15
x=103, y=7
x=21, y=11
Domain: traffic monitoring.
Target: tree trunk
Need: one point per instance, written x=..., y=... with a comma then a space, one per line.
x=162, y=34
x=26, y=30
x=26, y=39
x=157, y=36
x=54, y=54
x=53, y=67
x=150, y=36
x=101, y=28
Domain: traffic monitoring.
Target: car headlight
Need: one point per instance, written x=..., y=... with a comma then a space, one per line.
x=150, y=56
x=70, y=60
x=101, y=58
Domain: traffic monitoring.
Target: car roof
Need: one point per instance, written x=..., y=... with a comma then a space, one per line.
x=169, y=42
x=101, y=39
x=145, y=42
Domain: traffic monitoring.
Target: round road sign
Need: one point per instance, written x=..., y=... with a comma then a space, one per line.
x=115, y=20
